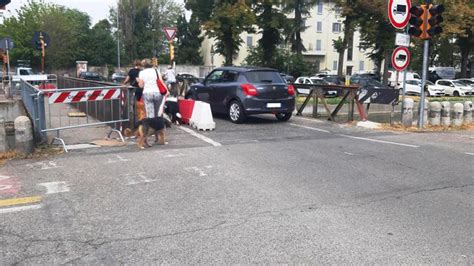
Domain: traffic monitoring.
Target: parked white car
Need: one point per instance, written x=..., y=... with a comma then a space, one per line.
x=413, y=87
x=469, y=82
x=454, y=87
x=312, y=80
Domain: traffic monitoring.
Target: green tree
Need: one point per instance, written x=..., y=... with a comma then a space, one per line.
x=101, y=46
x=301, y=10
x=270, y=21
x=189, y=41
x=141, y=23
x=230, y=18
x=67, y=28
x=459, y=24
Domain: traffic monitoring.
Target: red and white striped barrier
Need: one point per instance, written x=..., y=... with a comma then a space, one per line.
x=197, y=114
x=84, y=96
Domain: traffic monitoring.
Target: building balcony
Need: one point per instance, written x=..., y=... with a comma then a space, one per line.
x=313, y=52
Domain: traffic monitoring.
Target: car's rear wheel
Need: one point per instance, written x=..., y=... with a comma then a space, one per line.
x=236, y=112
x=283, y=116
x=456, y=94
x=427, y=94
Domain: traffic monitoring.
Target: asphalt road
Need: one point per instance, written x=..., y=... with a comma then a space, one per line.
x=261, y=192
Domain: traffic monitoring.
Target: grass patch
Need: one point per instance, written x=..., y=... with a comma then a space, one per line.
x=41, y=152
x=427, y=128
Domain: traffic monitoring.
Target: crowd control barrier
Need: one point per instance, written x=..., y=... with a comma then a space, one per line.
x=72, y=108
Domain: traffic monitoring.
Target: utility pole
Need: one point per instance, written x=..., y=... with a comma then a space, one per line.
x=118, y=40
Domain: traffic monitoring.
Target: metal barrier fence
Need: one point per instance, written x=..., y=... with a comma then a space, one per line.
x=42, y=82
x=76, y=104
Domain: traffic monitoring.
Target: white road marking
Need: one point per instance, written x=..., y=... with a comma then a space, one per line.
x=348, y=153
x=380, y=141
x=5, y=187
x=469, y=153
x=173, y=155
x=119, y=159
x=198, y=170
x=4, y=177
x=307, y=119
x=55, y=187
x=311, y=128
x=138, y=178
x=201, y=137
x=44, y=165
x=81, y=146
x=21, y=208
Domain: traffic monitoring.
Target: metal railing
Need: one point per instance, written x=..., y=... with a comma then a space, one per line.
x=74, y=104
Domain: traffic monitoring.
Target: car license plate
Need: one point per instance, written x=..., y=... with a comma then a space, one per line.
x=273, y=105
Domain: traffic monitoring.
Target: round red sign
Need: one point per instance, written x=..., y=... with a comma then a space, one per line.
x=400, y=58
x=399, y=12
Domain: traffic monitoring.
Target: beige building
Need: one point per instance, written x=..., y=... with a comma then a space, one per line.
x=324, y=25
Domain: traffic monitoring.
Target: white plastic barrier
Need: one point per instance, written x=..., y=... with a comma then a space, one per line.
x=458, y=114
x=202, y=119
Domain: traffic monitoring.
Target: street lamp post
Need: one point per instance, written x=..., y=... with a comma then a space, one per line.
x=118, y=40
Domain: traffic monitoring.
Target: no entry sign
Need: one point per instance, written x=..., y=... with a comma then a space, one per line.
x=399, y=12
x=400, y=58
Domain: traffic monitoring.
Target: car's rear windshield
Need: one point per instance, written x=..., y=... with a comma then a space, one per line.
x=264, y=77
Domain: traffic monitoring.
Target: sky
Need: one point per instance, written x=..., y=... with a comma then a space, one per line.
x=96, y=9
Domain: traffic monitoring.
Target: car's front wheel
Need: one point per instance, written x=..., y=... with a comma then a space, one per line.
x=456, y=94
x=236, y=112
x=283, y=116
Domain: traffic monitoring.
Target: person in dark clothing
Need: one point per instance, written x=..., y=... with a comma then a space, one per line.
x=132, y=79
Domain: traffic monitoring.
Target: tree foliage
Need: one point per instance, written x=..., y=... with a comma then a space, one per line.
x=189, y=41
x=459, y=25
x=228, y=20
x=69, y=30
x=301, y=9
x=270, y=20
x=141, y=24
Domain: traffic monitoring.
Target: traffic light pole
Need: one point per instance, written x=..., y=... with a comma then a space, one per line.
x=421, y=111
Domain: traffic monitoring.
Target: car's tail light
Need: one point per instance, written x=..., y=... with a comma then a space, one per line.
x=291, y=90
x=249, y=89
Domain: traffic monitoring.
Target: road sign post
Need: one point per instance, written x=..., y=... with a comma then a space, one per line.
x=170, y=33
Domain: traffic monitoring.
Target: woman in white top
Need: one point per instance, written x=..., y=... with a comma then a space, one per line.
x=151, y=94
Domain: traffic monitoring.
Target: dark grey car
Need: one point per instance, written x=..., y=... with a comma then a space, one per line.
x=243, y=91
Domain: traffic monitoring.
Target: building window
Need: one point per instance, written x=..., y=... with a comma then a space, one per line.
x=319, y=26
x=320, y=8
x=337, y=10
x=310, y=47
x=334, y=65
x=336, y=27
x=318, y=45
x=250, y=41
x=349, y=70
x=361, y=65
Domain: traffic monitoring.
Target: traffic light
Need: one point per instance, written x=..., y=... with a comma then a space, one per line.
x=416, y=21
x=434, y=19
x=3, y=3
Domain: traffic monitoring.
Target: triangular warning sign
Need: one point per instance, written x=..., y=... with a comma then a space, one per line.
x=170, y=33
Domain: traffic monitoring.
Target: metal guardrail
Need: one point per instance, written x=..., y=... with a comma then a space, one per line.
x=74, y=104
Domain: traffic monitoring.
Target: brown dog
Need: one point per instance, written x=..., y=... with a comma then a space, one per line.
x=156, y=124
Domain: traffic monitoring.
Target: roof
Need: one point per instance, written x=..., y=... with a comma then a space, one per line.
x=245, y=68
